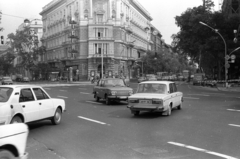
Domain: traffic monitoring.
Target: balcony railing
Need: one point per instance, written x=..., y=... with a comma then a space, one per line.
x=101, y=38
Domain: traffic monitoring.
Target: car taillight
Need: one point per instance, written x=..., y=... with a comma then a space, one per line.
x=157, y=101
x=133, y=101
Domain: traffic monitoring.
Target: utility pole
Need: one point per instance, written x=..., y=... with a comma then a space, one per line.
x=204, y=4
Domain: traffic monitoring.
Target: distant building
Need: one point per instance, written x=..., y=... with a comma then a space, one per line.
x=114, y=29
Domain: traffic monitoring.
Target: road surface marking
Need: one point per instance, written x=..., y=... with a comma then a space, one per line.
x=85, y=93
x=190, y=98
x=63, y=90
x=93, y=102
x=199, y=95
x=82, y=88
x=47, y=88
x=234, y=125
x=99, y=122
x=202, y=150
x=62, y=97
x=233, y=110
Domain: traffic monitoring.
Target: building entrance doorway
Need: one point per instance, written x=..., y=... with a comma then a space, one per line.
x=100, y=70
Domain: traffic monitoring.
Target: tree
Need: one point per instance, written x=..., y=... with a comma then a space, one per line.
x=26, y=45
x=202, y=44
x=6, y=63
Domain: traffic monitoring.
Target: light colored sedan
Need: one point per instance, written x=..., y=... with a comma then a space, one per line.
x=24, y=103
x=161, y=96
x=13, y=139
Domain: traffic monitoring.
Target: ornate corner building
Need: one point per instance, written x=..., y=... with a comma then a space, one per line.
x=110, y=30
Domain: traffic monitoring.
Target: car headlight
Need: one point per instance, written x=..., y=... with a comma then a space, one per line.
x=130, y=92
x=113, y=92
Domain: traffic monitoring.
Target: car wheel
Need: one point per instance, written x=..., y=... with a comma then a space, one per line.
x=5, y=154
x=180, y=106
x=16, y=119
x=136, y=113
x=169, y=111
x=107, y=100
x=57, y=117
x=97, y=98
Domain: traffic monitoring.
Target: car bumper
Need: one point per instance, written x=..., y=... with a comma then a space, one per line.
x=145, y=108
x=118, y=97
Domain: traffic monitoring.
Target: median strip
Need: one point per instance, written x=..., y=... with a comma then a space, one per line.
x=95, y=121
x=202, y=150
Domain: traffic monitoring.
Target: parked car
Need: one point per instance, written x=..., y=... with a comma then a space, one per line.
x=161, y=96
x=13, y=139
x=141, y=79
x=25, y=79
x=151, y=77
x=112, y=89
x=7, y=81
x=24, y=103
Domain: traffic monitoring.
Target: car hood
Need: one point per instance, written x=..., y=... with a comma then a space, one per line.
x=148, y=96
x=13, y=129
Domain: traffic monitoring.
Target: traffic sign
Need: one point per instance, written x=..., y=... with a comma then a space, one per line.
x=227, y=65
x=227, y=57
x=233, y=57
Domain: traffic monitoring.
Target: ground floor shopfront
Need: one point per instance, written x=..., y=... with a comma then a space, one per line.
x=84, y=69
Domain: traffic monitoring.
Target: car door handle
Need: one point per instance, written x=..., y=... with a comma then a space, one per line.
x=23, y=106
x=40, y=103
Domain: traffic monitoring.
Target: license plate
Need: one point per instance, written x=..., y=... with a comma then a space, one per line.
x=145, y=101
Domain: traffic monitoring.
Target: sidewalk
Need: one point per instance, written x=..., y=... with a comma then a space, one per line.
x=54, y=83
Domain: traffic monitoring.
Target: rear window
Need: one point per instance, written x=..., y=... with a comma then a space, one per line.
x=5, y=94
x=7, y=78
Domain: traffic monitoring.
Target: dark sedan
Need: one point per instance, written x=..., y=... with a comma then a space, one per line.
x=7, y=81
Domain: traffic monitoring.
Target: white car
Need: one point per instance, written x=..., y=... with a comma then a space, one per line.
x=161, y=96
x=13, y=139
x=25, y=103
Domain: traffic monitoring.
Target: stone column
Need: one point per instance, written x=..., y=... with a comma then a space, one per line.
x=91, y=9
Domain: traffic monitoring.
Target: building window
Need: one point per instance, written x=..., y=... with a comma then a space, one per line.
x=101, y=48
x=235, y=6
x=99, y=18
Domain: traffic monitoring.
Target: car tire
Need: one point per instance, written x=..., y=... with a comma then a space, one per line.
x=180, y=106
x=97, y=98
x=16, y=119
x=169, y=111
x=56, y=119
x=6, y=154
x=107, y=100
x=136, y=113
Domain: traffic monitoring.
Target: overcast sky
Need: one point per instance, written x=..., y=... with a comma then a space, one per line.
x=162, y=12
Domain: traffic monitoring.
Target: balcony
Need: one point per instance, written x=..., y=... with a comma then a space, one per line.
x=101, y=38
x=130, y=44
x=100, y=55
x=129, y=29
x=66, y=42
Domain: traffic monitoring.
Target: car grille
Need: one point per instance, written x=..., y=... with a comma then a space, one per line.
x=119, y=93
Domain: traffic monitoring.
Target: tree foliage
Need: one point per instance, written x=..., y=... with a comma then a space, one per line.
x=26, y=45
x=6, y=63
x=201, y=43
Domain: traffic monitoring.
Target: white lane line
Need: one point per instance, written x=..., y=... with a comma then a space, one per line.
x=63, y=90
x=47, y=88
x=202, y=150
x=62, y=97
x=233, y=110
x=84, y=93
x=190, y=98
x=234, y=125
x=82, y=88
x=99, y=122
x=206, y=95
x=94, y=102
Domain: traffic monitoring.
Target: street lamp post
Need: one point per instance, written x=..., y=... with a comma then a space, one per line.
x=225, y=52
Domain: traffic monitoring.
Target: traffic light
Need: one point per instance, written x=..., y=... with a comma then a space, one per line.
x=2, y=40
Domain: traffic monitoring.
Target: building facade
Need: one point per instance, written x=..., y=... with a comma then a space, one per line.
x=110, y=35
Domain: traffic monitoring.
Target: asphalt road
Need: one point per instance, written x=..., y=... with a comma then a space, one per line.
x=207, y=127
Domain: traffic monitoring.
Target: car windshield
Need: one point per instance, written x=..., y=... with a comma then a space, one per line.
x=5, y=93
x=6, y=78
x=152, y=88
x=115, y=82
